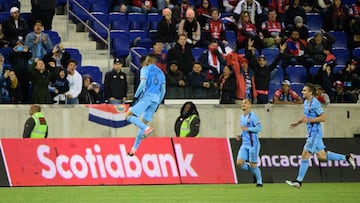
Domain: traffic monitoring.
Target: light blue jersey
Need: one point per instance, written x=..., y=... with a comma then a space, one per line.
x=313, y=109
x=252, y=122
x=155, y=79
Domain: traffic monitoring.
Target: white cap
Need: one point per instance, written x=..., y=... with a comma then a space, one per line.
x=14, y=9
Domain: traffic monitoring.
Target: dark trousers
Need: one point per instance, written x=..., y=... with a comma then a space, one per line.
x=262, y=99
x=46, y=17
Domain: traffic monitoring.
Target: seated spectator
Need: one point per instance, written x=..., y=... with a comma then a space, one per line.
x=14, y=88
x=40, y=79
x=272, y=30
x=295, y=9
x=75, y=83
x=350, y=77
x=336, y=17
x=19, y=60
x=15, y=27
x=188, y=123
x=212, y=62
x=181, y=53
x=321, y=95
x=215, y=29
x=166, y=30
x=61, y=86
x=160, y=56
x=174, y=77
x=198, y=82
x=190, y=27
x=300, y=27
x=247, y=30
x=38, y=42
x=280, y=7
x=319, y=47
x=354, y=26
x=90, y=92
x=145, y=7
x=203, y=12
x=285, y=95
x=342, y=95
x=3, y=41
x=245, y=82
x=227, y=86
x=254, y=9
x=179, y=10
x=115, y=84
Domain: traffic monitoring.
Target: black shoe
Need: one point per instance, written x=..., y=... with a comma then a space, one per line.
x=259, y=185
x=294, y=183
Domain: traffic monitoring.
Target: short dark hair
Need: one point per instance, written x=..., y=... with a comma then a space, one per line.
x=71, y=61
x=158, y=41
x=311, y=87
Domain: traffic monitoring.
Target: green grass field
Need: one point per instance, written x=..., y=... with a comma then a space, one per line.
x=280, y=193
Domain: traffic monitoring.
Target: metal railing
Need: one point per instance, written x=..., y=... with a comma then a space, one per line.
x=106, y=27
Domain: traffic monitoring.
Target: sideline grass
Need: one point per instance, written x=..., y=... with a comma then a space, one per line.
x=310, y=192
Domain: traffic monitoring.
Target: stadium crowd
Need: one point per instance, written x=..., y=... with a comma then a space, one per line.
x=229, y=50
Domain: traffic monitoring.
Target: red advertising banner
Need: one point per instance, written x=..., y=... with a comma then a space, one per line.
x=95, y=161
x=204, y=160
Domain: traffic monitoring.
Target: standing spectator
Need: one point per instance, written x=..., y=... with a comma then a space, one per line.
x=36, y=126
x=15, y=27
x=14, y=88
x=61, y=86
x=190, y=27
x=115, y=84
x=337, y=17
x=285, y=95
x=40, y=79
x=43, y=10
x=203, y=12
x=75, y=83
x=319, y=46
x=188, y=123
x=227, y=86
x=300, y=27
x=19, y=60
x=90, y=91
x=182, y=53
x=160, y=56
x=262, y=71
x=38, y=42
x=295, y=9
x=342, y=95
x=179, y=10
x=272, y=30
x=247, y=30
x=253, y=7
x=250, y=147
x=245, y=82
x=280, y=6
x=167, y=29
x=215, y=30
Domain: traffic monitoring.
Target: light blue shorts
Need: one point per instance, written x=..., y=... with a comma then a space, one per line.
x=249, y=153
x=144, y=107
x=314, y=144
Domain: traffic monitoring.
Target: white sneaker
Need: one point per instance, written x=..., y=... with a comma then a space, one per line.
x=350, y=159
x=294, y=183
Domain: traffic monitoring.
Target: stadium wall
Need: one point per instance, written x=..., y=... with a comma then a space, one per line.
x=72, y=121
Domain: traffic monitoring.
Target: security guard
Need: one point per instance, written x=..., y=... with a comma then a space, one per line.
x=188, y=123
x=35, y=126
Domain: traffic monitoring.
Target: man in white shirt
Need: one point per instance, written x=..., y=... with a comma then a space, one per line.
x=75, y=83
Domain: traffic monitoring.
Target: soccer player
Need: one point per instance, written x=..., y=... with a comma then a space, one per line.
x=148, y=96
x=313, y=116
x=250, y=147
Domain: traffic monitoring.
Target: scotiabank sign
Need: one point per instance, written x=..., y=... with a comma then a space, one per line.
x=38, y=162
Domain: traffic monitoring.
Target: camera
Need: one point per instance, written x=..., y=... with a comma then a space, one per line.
x=347, y=84
x=19, y=48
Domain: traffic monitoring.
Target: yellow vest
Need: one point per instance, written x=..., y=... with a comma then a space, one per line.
x=185, y=126
x=40, y=128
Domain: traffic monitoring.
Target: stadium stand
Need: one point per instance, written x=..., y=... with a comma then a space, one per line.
x=153, y=19
x=270, y=54
x=297, y=74
x=197, y=51
x=356, y=53
x=93, y=71
x=5, y=51
x=75, y=54
x=341, y=54
x=314, y=21
x=341, y=39
x=119, y=21
x=138, y=21
x=120, y=43
x=54, y=36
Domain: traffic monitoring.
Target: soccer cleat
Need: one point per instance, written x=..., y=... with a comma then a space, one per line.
x=350, y=159
x=148, y=131
x=294, y=183
x=259, y=185
x=132, y=152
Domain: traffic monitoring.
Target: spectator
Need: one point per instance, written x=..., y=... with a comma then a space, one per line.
x=139, y=6
x=227, y=86
x=272, y=30
x=295, y=9
x=40, y=79
x=182, y=53
x=337, y=17
x=253, y=7
x=90, y=92
x=38, y=42
x=61, y=86
x=262, y=71
x=15, y=27
x=167, y=29
x=319, y=47
x=4, y=92
x=321, y=95
x=280, y=7
x=285, y=95
x=349, y=77
x=188, y=123
x=300, y=27
x=43, y=10
x=57, y=58
x=3, y=41
x=245, y=82
x=14, y=88
x=215, y=30
x=247, y=30
x=160, y=56
x=198, y=82
x=203, y=12
x=179, y=10
x=342, y=95
x=115, y=84
x=174, y=77
x=354, y=25
x=36, y=126
x=229, y=5
x=190, y=27
x=19, y=60
x=75, y=83
x=325, y=78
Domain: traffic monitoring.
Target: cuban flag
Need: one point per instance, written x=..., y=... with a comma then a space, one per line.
x=112, y=115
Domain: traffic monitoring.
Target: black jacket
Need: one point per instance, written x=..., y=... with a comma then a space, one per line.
x=184, y=57
x=115, y=85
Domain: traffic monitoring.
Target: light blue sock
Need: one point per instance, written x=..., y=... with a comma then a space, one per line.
x=136, y=121
x=302, y=169
x=246, y=167
x=334, y=156
x=138, y=139
x=257, y=172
